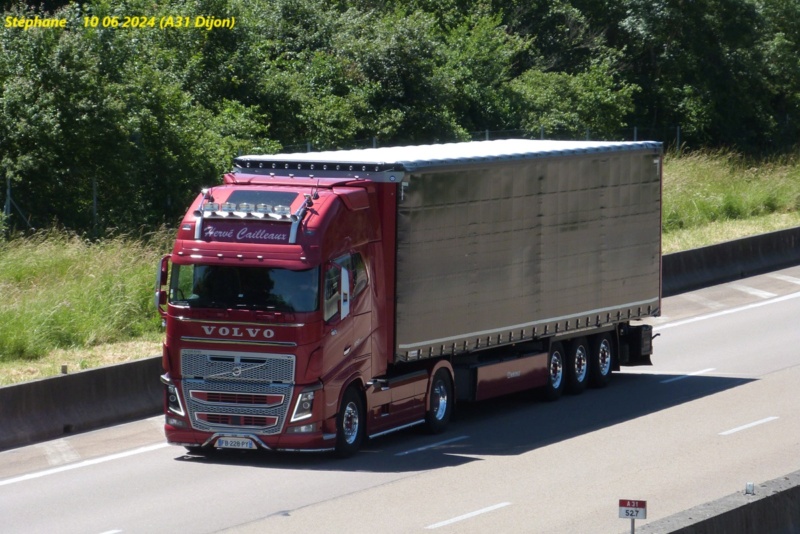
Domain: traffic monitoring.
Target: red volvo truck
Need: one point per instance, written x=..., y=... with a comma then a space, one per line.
x=315, y=300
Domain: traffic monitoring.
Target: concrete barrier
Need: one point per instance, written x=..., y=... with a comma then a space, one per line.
x=52, y=407
x=732, y=260
x=774, y=508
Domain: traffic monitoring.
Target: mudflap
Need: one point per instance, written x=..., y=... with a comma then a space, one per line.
x=636, y=345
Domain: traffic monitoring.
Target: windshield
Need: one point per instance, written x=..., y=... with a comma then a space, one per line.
x=215, y=286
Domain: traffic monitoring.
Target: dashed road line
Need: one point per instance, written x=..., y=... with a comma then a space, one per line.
x=699, y=299
x=785, y=278
x=468, y=516
x=749, y=425
x=59, y=452
x=753, y=291
x=675, y=379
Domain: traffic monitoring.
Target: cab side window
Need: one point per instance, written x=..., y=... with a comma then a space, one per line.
x=354, y=263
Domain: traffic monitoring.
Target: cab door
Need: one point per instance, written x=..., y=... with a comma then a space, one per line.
x=337, y=364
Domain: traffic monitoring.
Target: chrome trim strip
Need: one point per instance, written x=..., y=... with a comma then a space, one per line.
x=524, y=325
x=238, y=323
x=237, y=342
x=258, y=427
x=409, y=425
x=212, y=403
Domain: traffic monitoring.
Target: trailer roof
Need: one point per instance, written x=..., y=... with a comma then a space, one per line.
x=420, y=157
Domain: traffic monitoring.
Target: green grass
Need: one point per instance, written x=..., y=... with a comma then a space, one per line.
x=706, y=188
x=66, y=301
x=63, y=292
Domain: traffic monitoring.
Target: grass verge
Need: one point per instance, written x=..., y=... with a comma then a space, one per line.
x=66, y=300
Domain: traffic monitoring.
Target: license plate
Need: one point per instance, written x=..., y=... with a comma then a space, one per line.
x=235, y=443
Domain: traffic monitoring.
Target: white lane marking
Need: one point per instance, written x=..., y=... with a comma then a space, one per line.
x=752, y=291
x=699, y=299
x=85, y=463
x=117, y=531
x=675, y=379
x=432, y=445
x=727, y=312
x=785, y=278
x=749, y=425
x=59, y=452
x=467, y=516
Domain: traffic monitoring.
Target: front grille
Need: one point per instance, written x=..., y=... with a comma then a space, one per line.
x=225, y=390
x=233, y=420
x=217, y=364
x=211, y=416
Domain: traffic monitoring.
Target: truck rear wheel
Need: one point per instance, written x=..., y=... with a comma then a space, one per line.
x=555, y=373
x=440, y=400
x=577, y=365
x=602, y=360
x=350, y=424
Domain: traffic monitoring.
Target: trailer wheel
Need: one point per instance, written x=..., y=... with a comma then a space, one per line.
x=602, y=360
x=440, y=398
x=577, y=366
x=350, y=424
x=555, y=373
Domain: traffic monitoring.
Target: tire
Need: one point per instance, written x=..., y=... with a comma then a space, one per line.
x=601, y=363
x=555, y=373
x=350, y=424
x=577, y=366
x=440, y=398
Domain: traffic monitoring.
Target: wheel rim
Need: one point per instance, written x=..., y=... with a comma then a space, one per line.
x=439, y=400
x=556, y=370
x=604, y=357
x=350, y=423
x=581, y=363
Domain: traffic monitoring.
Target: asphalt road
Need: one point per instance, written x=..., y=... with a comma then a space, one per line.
x=720, y=408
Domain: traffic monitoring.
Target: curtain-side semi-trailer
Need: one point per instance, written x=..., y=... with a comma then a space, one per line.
x=314, y=300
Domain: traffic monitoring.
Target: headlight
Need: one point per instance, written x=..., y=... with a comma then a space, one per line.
x=304, y=405
x=173, y=399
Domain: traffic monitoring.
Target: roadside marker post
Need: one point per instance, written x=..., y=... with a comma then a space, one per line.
x=633, y=510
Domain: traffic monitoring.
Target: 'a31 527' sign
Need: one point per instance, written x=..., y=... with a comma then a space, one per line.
x=630, y=509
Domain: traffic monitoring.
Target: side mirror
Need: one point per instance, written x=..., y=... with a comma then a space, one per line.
x=162, y=271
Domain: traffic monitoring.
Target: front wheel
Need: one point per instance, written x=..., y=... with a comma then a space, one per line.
x=440, y=399
x=350, y=424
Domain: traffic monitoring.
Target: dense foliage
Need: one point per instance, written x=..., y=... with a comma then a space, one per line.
x=104, y=127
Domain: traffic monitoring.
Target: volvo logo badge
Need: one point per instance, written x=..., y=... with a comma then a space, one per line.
x=237, y=371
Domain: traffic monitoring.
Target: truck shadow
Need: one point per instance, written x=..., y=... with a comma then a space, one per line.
x=505, y=426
